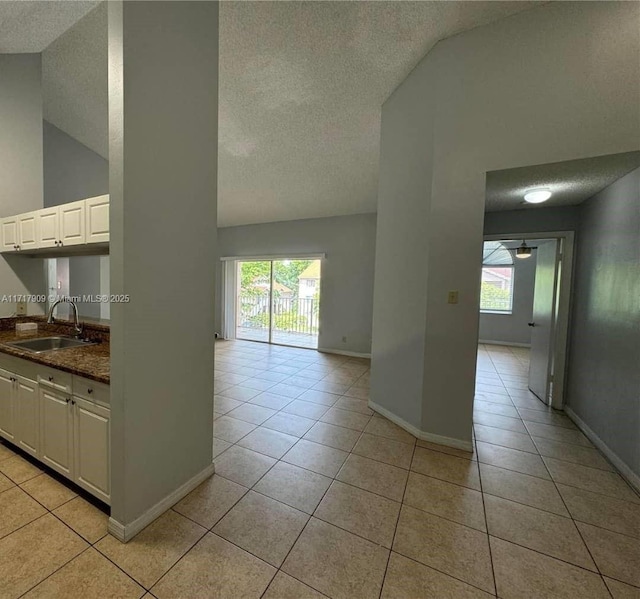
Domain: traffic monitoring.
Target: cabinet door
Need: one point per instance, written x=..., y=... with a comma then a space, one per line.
x=48, y=227
x=91, y=448
x=27, y=415
x=7, y=406
x=56, y=431
x=72, y=223
x=97, y=216
x=27, y=231
x=9, y=234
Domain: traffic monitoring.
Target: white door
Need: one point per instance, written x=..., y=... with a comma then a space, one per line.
x=9, y=234
x=7, y=401
x=72, y=223
x=27, y=231
x=544, y=319
x=91, y=448
x=27, y=415
x=48, y=229
x=97, y=217
x=56, y=434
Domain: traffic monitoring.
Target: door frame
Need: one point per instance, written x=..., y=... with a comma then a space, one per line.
x=563, y=316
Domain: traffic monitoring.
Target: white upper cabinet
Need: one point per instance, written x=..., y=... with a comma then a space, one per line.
x=74, y=224
x=97, y=219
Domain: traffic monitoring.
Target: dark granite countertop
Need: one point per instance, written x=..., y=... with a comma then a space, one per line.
x=91, y=361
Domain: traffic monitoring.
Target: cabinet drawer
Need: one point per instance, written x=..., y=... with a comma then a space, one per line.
x=91, y=390
x=19, y=366
x=56, y=379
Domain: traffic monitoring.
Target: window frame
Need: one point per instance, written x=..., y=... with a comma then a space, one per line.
x=509, y=311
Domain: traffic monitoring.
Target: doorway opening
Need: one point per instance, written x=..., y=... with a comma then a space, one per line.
x=278, y=301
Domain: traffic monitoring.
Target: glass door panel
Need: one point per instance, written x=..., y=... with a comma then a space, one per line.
x=253, y=316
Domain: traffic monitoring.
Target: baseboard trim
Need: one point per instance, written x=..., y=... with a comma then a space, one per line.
x=512, y=343
x=424, y=436
x=126, y=532
x=629, y=475
x=352, y=354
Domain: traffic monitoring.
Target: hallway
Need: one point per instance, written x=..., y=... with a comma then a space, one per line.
x=314, y=495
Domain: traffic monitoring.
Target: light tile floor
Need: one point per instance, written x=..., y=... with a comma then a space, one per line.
x=316, y=496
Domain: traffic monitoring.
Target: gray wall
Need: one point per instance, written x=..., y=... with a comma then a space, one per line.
x=163, y=59
x=466, y=120
x=532, y=220
x=20, y=167
x=513, y=328
x=604, y=361
x=346, y=294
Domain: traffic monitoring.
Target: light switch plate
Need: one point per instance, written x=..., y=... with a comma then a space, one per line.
x=21, y=308
x=452, y=298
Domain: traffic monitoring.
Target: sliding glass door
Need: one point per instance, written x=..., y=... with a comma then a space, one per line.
x=278, y=301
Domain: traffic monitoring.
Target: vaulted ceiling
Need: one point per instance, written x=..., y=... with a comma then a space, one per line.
x=301, y=87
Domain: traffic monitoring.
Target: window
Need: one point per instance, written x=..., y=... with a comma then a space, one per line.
x=496, y=292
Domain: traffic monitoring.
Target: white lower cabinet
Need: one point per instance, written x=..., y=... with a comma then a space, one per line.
x=56, y=430
x=27, y=416
x=7, y=406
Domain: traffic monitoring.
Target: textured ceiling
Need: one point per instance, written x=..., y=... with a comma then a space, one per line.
x=301, y=87
x=27, y=27
x=571, y=182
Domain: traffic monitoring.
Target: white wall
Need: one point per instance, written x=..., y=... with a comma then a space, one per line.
x=603, y=386
x=163, y=93
x=513, y=328
x=484, y=117
x=347, y=272
x=20, y=167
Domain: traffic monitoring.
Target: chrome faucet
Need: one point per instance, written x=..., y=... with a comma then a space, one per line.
x=77, y=327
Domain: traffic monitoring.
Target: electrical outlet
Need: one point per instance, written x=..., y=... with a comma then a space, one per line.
x=344, y=340
x=452, y=298
x=21, y=308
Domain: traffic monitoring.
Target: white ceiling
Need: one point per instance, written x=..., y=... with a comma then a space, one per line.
x=570, y=182
x=301, y=86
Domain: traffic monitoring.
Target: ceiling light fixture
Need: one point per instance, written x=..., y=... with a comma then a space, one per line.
x=524, y=251
x=537, y=196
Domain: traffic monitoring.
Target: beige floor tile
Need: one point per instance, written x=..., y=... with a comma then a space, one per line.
x=384, y=450
x=251, y=413
x=269, y=442
x=5, y=452
x=360, y=512
x=457, y=550
x=318, y=458
x=327, y=387
x=550, y=417
x=18, y=469
x=585, y=456
x=88, y=576
x=447, y=500
x=320, y=397
x=289, y=424
x=231, y=429
x=219, y=446
x=240, y=393
x=383, y=479
x=48, y=491
x=215, y=568
x=498, y=436
x=522, y=488
x=222, y=405
x=355, y=405
x=270, y=400
x=85, y=519
x=541, y=531
x=617, y=556
x=336, y=562
x=494, y=408
x=557, y=433
x=333, y=436
x=512, y=459
x=459, y=453
x=346, y=418
x=243, y=466
x=407, y=579
x=446, y=467
x=262, y=526
x=17, y=509
x=620, y=590
x=600, y=510
x=506, y=423
x=295, y=486
x=357, y=392
x=155, y=549
x=5, y=483
x=307, y=409
x=385, y=428
x=284, y=586
x=590, y=479
x=33, y=552
x=494, y=398
x=211, y=500
x=525, y=574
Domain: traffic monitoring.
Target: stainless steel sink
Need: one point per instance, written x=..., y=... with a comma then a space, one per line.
x=43, y=344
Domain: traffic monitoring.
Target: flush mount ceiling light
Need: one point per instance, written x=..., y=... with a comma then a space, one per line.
x=524, y=251
x=537, y=196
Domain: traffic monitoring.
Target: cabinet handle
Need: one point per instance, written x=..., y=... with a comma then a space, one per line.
x=18, y=247
x=50, y=379
x=73, y=402
x=67, y=399
x=60, y=242
x=89, y=391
